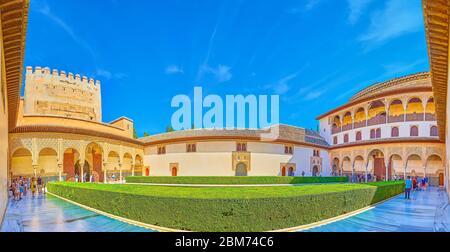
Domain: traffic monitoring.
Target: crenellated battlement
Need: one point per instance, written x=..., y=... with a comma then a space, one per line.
x=55, y=77
x=60, y=93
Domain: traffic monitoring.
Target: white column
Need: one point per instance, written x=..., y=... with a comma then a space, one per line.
x=132, y=170
x=82, y=171
x=60, y=167
x=387, y=163
x=35, y=167
x=353, y=172
x=367, y=168
x=120, y=173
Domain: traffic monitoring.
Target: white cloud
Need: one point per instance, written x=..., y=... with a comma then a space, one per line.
x=313, y=95
x=357, y=7
x=174, y=69
x=282, y=86
x=311, y=4
x=43, y=8
x=108, y=75
x=222, y=73
x=399, y=17
x=400, y=68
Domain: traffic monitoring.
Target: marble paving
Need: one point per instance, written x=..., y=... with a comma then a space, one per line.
x=425, y=212
x=50, y=214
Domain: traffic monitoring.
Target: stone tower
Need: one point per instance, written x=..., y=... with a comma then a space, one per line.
x=61, y=94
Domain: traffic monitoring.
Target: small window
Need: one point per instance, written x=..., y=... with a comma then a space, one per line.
x=378, y=133
x=191, y=148
x=288, y=150
x=395, y=132
x=241, y=147
x=414, y=131
x=335, y=140
x=372, y=134
x=358, y=136
x=346, y=138
x=161, y=150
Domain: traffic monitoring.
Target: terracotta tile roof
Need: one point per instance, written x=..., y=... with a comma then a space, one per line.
x=389, y=140
x=71, y=130
x=287, y=133
x=14, y=17
x=436, y=15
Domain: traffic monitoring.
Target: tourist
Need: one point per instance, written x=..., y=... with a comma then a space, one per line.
x=16, y=190
x=424, y=184
x=76, y=178
x=21, y=189
x=39, y=185
x=369, y=177
x=408, y=186
x=303, y=173
x=414, y=183
x=33, y=186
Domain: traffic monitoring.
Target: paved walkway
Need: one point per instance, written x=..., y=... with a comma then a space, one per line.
x=50, y=214
x=425, y=212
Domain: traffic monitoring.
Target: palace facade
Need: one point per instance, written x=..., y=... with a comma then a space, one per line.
x=392, y=129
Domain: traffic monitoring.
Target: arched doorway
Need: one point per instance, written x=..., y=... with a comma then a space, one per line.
x=346, y=166
x=336, y=171
x=376, y=159
x=138, y=166
x=433, y=169
x=241, y=170
x=315, y=171
x=71, y=157
x=396, y=167
x=112, y=167
x=127, y=163
x=48, y=164
x=22, y=163
x=174, y=171
x=147, y=172
x=283, y=171
x=94, y=156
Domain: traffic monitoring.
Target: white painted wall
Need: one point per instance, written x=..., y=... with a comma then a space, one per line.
x=215, y=159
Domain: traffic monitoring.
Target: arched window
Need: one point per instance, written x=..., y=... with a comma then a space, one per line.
x=414, y=131
x=378, y=133
x=373, y=134
x=346, y=138
x=434, y=131
x=358, y=136
x=395, y=132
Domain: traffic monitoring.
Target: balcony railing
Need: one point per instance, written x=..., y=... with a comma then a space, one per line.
x=361, y=124
x=335, y=130
x=377, y=120
x=395, y=119
x=347, y=127
x=430, y=117
x=414, y=117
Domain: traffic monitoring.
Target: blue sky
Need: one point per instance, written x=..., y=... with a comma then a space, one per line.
x=315, y=54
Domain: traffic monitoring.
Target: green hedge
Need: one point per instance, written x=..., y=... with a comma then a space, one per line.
x=235, y=180
x=226, y=209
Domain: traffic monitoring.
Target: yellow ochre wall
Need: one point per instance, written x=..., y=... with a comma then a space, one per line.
x=3, y=135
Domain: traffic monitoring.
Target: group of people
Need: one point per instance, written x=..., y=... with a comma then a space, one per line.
x=415, y=184
x=85, y=177
x=20, y=186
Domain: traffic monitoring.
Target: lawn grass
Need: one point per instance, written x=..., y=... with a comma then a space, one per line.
x=250, y=180
x=226, y=209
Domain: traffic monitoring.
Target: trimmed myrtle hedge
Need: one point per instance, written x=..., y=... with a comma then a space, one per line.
x=227, y=209
x=235, y=180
